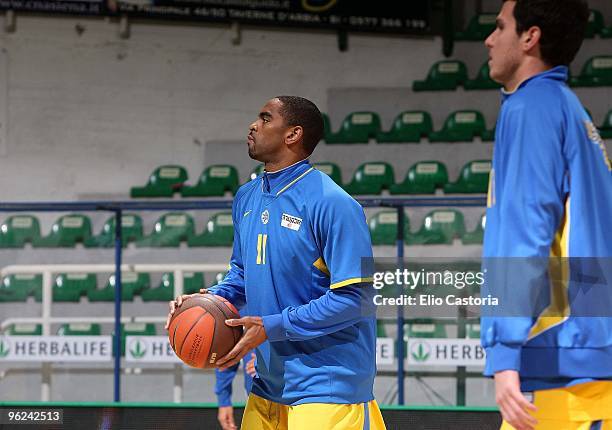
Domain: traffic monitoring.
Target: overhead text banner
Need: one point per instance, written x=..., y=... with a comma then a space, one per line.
x=55, y=348
x=445, y=352
x=76, y=7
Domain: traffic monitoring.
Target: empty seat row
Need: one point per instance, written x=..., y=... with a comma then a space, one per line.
x=440, y=226
x=70, y=287
x=425, y=329
x=447, y=75
x=481, y=26
x=410, y=126
x=68, y=230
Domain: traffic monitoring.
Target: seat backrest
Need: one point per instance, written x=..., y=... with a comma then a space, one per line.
x=600, y=67
x=607, y=124
x=481, y=25
x=79, y=329
x=29, y=282
x=220, y=173
x=428, y=172
x=448, y=70
x=25, y=329
x=131, y=227
x=364, y=122
x=383, y=227
x=468, y=120
x=419, y=120
x=137, y=282
x=19, y=229
x=71, y=228
x=379, y=173
x=174, y=223
x=168, y=175
x=426, y=330
x=257, y=171
x=476, y=172
x=330, y=169
x=595, y=23
x=221, y=223
x=448, y=222
x=82, y=282
x=138, y=329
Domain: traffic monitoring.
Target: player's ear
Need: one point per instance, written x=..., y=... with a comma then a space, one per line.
x=531, y=38
x=294, y=135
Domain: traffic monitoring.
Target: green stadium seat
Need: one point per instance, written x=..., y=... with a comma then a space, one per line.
x=219, y=277
x=79, y=329
x=482, y=81
x=381, y=330
x=192, y=283
x=439, y=227
x=170, y=229
x=69, y=287
x=66, y=232
x=17, y=288
x=473, y=331
x=479, y=28
x=214, y=181
x=488, y=135
x=383, y=227
x=357, y=127
x=17, y=230
x=24, y=329
x=131, y=231
x=422, y=178
x=408, y=126
x=219, y=231
x=371, y=178
x=605, y=130
x=606, y=33
x=132, y=283
x=425, y=329
x=257, y=171
x=134, y=329
x=596, y=72
x=163, y=182
x=444, y=75
x=330, y=169
x=474, y=178
x=460, y=126
x=595, y=24
x=476, y=236
x=326, y=126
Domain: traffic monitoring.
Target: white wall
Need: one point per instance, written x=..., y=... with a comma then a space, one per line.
x=88, y=115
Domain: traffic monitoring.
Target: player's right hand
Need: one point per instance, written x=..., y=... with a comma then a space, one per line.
x=512, y=404
x=176, y=303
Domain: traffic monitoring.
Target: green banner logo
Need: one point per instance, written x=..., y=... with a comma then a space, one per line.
x=4, y=348
x=420, y=351
x=137, y=349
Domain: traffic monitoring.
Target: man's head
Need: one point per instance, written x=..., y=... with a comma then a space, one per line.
x=535, y=35
x=287, y=129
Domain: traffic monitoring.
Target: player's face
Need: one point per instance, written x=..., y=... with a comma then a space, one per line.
x=504, y=46
x=266, y=139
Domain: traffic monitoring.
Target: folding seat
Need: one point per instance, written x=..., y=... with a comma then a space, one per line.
x=371, y=178
x=439, y=227
x=170, y=229
x=131, y=231
x=476, y=236
x=383, y=227
x=482, y=81
x=17, y=230
x=479, y=28
x=606, y=32
x=219, y=231
x=69, y=287
x=162, y=293
x=605, y=130
x=596, y=72
x=381, y=330
x=163, y=182
x=132, y=283
x=24, y=329
x=422, y=178
x=408, y=126
x=79, y=329
x=330, y=169
x=326, y=126
x=595, y=25
x=488, y=135
x=460, y=126
x=444, y=75
x=214, y=181
x=474, y=178
x=257, y=171
x=473, y=331
x=426, y=329
x=219, y=277
x=134, y=329
x=357, y=127
x=17, y=287
x=66, y=232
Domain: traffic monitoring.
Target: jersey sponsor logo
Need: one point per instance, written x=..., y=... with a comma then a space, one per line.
x=265, y=216
x=291, y=222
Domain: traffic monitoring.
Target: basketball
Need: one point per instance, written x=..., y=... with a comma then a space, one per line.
x=198, y=333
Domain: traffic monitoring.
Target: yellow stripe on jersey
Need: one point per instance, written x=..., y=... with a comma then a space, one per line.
x=559, y=310
x=350, y=281
x=320, y=264
x=294, y=181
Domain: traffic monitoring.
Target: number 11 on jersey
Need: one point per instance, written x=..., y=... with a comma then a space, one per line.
x=262, y=239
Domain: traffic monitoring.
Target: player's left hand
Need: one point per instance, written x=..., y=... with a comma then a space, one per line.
x=254, y=335
x=250, y=367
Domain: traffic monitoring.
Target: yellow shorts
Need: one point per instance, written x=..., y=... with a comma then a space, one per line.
x=262, y=414
x=580, y=407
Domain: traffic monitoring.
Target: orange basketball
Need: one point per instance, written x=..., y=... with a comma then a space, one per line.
x=198, y=333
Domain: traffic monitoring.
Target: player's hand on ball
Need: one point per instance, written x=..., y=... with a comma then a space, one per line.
x=512, y=403
x=176, y=303
x=226, y=418
x=254, y=335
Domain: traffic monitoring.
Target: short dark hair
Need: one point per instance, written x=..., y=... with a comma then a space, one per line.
x=562, y=22
x=300, y=111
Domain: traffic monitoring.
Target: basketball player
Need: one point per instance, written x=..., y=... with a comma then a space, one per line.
x=299, y=240
x=550, y=194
